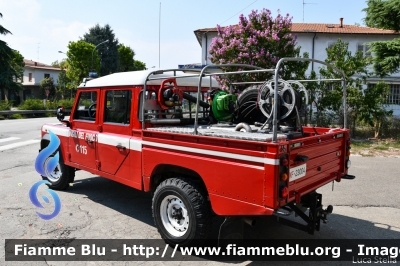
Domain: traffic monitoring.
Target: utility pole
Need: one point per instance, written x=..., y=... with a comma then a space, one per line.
x=91, y=68
x=159, y=38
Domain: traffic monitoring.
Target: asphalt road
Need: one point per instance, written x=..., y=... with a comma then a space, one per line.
x=95, y=208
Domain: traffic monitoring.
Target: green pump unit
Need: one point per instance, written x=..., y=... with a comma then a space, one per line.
x=223, y=105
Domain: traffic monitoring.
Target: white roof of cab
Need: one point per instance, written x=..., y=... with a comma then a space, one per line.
x=139, y=78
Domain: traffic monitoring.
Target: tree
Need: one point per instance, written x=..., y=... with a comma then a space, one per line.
x=64, y=87
x=63, y=82
x=126, y=55
x=386, y=56
x=11, y=65
x=17, y=65
x=3, y=30
x=259, y=40
x=80, y=61
x=354, y=68
x=385, y=15
x=56, y=63
x=48, y=88
x=373, y=110
x=139, y=65
x=108, y=52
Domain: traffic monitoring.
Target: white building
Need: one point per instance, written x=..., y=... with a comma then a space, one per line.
x=315, y=38
x=34, y=72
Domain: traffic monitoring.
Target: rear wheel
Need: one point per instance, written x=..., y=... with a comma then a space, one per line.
x=181, y=212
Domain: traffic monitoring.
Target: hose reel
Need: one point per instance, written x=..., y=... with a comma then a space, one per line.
x=289, y=98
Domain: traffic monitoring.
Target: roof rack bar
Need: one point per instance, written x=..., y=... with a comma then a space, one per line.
x=158, y=72
x=250, y=82
x=275, y=108
x=196, y=118
x=300, y=80
x=175, y=77
x=313, y=80
x=240, y=72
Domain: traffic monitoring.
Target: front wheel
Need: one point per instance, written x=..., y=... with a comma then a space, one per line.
x=61, y=176
x=181, y=212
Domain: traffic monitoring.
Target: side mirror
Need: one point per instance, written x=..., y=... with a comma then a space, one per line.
x=60, y=116
x=60, y=113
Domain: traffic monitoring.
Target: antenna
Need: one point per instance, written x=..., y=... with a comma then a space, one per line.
x=38, y=49
x=304, y=3
x=159, y=37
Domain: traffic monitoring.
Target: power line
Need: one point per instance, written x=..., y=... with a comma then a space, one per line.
x=238, y=12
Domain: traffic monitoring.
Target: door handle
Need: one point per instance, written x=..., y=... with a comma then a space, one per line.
x=119, y=146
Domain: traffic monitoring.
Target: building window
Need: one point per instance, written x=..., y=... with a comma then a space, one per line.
x=331, y=44
x=30, y=77
x=364, y=49
x=46, y=76
x=27, y=93
x=394, y=95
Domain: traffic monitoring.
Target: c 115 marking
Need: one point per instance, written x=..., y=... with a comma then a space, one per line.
x=81, y=149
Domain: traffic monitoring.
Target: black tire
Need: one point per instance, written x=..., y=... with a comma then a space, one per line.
x=62, y=176
x=248, y=110
x=181, y=212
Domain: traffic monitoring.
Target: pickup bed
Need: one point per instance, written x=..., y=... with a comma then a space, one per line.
x=185, y=140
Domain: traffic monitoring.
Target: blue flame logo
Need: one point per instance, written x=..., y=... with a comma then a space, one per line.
x=45, y=165
x=35, y=201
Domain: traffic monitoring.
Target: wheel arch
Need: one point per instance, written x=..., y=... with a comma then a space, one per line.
x=164, y=171
x=44, y=142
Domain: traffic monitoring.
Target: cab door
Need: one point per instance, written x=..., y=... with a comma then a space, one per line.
x=84, y=130
x=114, y=140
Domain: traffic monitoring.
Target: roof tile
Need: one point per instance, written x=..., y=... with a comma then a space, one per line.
x=33, y=64
x=328, y=28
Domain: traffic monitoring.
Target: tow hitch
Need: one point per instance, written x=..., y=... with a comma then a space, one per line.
x=315, y=214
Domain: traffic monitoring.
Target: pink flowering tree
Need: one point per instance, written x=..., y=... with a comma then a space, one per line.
x=258, y=40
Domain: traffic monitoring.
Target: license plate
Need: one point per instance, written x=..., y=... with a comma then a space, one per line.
x=297, y=172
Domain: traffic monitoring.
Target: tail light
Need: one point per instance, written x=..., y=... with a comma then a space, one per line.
x=283, y=192
x=283, y=176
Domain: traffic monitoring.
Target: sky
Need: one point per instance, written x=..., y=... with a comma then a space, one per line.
x=41, y=28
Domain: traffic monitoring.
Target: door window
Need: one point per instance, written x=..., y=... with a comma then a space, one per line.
x=118, y=106
x=86, y=107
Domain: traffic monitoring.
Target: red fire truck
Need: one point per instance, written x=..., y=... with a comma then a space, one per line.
x=202, y=150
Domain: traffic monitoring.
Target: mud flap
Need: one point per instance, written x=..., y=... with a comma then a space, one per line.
x=231, y=229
